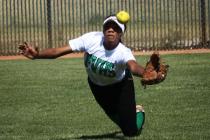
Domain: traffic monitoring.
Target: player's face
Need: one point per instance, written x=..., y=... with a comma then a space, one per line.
x=112, y=35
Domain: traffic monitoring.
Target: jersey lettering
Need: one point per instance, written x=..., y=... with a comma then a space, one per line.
x=100, y=66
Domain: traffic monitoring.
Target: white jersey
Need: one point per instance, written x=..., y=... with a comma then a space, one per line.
x=104, y=67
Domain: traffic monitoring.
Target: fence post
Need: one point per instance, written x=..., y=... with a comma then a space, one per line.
x=49, y=23
x=203, y=23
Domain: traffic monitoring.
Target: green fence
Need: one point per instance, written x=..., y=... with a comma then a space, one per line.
x=154, y=24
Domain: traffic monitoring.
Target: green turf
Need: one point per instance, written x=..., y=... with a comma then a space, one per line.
x=51, y=100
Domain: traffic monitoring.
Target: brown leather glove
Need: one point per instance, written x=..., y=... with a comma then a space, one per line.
x=155, y=71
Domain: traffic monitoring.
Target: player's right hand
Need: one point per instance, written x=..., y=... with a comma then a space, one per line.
x=28, y=50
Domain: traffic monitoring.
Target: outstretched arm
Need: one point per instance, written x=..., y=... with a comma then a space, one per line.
x=33, y=53
x=135, y=68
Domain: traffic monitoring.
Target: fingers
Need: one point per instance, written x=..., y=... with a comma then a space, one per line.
x=27, y=50
x=23, y=46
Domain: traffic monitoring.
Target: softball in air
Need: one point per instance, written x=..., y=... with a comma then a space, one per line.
x=123, y=17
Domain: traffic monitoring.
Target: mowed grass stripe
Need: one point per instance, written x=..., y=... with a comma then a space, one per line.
x=50, y=99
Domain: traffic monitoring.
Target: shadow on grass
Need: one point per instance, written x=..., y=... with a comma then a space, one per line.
x=103, y=136
x=113, y=136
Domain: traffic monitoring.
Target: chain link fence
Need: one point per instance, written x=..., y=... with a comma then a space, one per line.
x=154, y=24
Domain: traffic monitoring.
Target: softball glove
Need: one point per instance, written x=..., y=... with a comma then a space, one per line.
x=155, y=71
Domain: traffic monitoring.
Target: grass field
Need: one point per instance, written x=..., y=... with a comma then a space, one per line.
x=51, y=100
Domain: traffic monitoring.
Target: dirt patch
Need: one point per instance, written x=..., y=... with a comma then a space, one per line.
x=79, y=55
x=21, y=57
x=190, y=51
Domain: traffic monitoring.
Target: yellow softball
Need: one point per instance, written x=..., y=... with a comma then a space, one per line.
x=123, y=17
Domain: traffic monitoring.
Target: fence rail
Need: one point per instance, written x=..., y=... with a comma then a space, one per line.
x=154, y=24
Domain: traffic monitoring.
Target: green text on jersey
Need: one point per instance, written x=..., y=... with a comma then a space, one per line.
x=100, y=66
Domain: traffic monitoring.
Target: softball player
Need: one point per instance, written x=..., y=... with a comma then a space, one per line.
x=109, y=65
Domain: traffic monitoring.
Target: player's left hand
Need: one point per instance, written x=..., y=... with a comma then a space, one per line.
x=155, y=71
